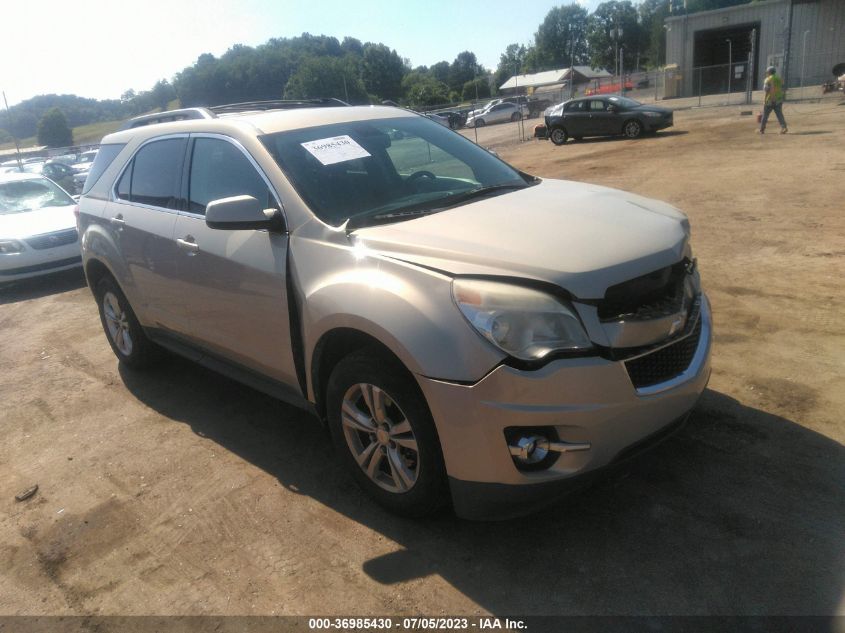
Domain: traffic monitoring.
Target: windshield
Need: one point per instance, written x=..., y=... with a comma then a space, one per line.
x=625, y=102
x=386, y=169
x=19, y=196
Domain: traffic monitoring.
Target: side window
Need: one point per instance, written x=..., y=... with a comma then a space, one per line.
x=598, y=106
x=575, y=106
x=125, y=182
x=220, y=170
x=103, y=159
x=157, y=172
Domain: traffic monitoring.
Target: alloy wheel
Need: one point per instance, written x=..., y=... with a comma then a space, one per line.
x=117, y=323
x=380, y=437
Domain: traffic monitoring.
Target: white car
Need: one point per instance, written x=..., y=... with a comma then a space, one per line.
x=37, y=227
x=495, y=113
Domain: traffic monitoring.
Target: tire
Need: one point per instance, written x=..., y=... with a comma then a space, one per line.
x=514, y=117
x=124, y=333
x=383, y=432
x=480, y=123
x=558, y=136
x=632, y=129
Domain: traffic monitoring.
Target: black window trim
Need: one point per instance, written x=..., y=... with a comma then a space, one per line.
x=186, y=172
x=113, y=197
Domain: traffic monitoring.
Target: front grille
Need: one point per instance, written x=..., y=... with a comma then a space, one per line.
x=653, y=295
x=665, y=363
x=52, y=240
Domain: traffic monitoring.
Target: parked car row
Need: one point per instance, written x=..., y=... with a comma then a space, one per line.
x=69, y=171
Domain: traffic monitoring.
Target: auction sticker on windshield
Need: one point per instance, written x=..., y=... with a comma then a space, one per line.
x=335, y=150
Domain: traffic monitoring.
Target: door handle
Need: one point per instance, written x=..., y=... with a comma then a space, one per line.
x=188, y=244
x=118, y=221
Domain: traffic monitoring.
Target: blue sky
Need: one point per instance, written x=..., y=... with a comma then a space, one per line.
x=99, y=49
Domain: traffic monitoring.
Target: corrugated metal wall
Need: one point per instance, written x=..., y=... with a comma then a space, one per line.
x=825, y=42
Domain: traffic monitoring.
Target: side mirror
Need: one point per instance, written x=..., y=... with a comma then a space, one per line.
x=242, y=213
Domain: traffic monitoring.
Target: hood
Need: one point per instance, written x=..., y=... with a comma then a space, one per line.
x=29, y=223
x=580, y=237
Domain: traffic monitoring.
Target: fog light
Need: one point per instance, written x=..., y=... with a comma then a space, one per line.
x=531, y=449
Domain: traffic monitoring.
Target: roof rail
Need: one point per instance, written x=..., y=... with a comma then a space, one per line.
x=167, y=116
x=232, y=108
x=276, y=104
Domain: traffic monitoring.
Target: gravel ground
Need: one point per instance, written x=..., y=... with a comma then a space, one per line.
x=181, y=492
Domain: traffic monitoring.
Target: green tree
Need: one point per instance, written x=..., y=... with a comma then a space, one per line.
x=465, y=68
x=653, y=13
x=326, y=77
x=53, y=130
x=422, y=89
x=602, y=25
x=511, y=62
x=440, y=71
x=382, y=71
x=477, y=88
x=561, y=39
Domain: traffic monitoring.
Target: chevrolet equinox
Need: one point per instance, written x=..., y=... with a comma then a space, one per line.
x=471, y=334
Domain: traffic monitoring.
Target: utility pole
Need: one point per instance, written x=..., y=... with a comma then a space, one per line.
x=621, y=71
x=14, y=136
x=730, y=59
x=788, y=49
x=803, y=59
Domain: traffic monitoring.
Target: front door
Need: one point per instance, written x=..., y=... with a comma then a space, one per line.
x=234, y=281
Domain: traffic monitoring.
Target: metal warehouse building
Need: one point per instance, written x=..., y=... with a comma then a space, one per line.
x=804, y=39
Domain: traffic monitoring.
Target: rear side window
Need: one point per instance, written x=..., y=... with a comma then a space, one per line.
x=104, y=158
x=220, y=170
x=156, y=173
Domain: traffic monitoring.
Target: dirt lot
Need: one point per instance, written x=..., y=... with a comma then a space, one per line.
x=181, y=492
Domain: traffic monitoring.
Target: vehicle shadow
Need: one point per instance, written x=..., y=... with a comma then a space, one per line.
x=810, y=133
x=38, y=287
x=740, y=513
x=611, y=139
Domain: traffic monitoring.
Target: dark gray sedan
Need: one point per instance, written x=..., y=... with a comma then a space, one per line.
x=604, y=116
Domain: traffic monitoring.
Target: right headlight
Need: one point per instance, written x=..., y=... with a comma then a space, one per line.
x=524, y=323
x=8, y=247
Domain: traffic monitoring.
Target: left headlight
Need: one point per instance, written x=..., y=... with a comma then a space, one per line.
x=524, y=323
x=8, y=247
x=653, y=114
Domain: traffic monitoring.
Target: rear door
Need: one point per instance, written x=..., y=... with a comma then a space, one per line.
x=575, y=118
x=601, y=120
x=234, y=281
x=141, y=217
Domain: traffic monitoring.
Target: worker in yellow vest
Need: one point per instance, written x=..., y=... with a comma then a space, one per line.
x=773, y=89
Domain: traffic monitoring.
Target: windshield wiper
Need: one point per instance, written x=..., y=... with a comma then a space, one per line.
x=426, y=208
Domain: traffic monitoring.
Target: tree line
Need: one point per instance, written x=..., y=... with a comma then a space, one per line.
x=314, y=66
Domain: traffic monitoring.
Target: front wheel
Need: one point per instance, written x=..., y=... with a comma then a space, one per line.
x=383, y=431
x=515, y=117
x=124, y=333
x=558, y=136
x=480, y=123
x=632, y=129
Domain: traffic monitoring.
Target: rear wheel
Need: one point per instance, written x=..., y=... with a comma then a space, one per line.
x=124, y=333
x=632, y=128
x=558, y=136
x=515, y=116
x=383, y=431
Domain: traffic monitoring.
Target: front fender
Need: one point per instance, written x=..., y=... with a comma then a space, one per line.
x=407, y=308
